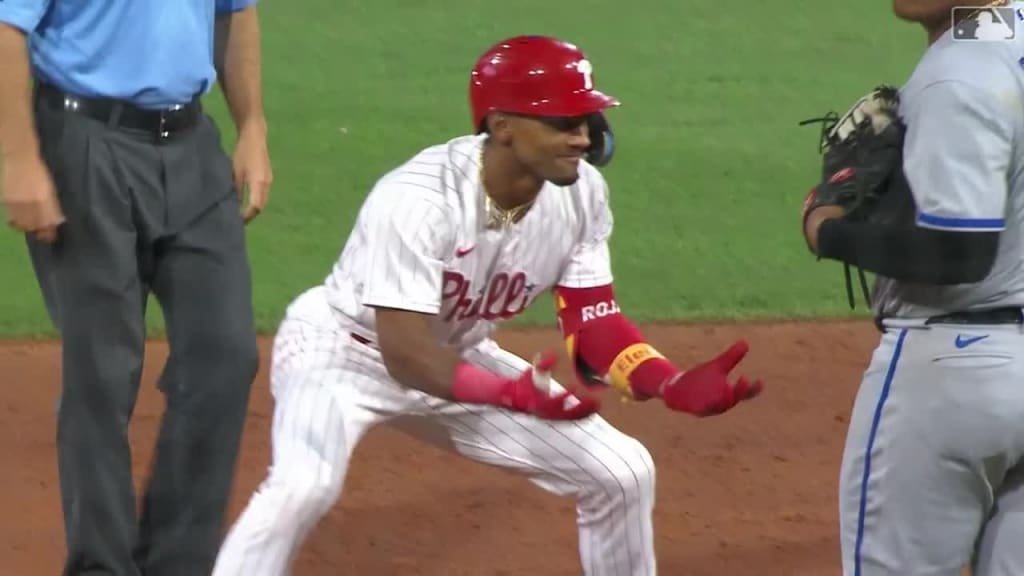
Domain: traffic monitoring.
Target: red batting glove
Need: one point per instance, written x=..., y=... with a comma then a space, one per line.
x=523, y=395
x=528, y=393
x=704, y=390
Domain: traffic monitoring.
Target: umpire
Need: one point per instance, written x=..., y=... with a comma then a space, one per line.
x=119, y=181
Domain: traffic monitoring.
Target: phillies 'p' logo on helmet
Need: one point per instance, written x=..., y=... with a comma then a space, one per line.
x=541, y=76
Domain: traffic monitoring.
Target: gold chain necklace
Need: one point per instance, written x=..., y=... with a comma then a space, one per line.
x=498, y=217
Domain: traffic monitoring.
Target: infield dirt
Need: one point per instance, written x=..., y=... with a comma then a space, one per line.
x=751, y=492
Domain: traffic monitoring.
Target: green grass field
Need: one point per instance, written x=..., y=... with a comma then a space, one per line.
x=710, y=170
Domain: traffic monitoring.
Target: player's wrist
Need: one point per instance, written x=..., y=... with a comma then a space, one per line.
x=651, y=377
x=640, y=369
x=474, y=385
x=812, y=224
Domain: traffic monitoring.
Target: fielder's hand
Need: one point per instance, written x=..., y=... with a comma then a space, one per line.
x=529, y=393
x=861, y=150
x=705, y=390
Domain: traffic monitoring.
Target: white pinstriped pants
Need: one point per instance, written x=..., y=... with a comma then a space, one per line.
x=329, y=390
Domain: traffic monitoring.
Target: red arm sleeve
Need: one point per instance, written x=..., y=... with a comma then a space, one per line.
x=605, y=347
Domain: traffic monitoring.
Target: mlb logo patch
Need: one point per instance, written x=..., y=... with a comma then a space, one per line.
x=993, y=24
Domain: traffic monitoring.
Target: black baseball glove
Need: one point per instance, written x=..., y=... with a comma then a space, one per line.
x=862, y=168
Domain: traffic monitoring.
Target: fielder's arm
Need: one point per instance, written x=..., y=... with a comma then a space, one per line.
x=919, y=255
x=957, y=152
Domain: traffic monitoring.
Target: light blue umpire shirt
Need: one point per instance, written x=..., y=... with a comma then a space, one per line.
x=152, y=53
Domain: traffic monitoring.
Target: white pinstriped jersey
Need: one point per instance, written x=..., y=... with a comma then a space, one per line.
x=964, y=108
x=420, y=243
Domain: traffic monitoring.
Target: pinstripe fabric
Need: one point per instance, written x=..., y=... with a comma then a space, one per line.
x=330, y=390
x=420, y=243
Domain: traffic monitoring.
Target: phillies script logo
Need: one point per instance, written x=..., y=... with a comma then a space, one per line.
x=600, y=310
x=504, y=296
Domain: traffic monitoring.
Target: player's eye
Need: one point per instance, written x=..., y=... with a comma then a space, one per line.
x=564, y=123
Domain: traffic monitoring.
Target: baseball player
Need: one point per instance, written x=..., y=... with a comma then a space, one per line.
x=932, y=478
x=463, y=235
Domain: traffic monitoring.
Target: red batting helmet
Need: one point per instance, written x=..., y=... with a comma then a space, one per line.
x=536, y=76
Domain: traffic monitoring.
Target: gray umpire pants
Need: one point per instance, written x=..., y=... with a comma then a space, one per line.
x=145, y=216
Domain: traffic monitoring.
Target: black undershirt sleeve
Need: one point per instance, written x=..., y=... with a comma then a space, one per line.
x=910, y=254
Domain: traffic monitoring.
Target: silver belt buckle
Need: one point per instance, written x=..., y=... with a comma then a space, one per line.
x=164, y=133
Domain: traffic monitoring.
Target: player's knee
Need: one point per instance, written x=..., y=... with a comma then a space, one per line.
x=315, y=499
x=302, y=498
x=630, y=475
x=641, y=466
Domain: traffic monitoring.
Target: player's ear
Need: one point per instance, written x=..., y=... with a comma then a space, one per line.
x=499, y=126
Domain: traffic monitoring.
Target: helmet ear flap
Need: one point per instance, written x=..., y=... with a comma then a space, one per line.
x=602, y=141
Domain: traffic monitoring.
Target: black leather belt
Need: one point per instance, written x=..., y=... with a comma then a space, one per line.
x=115, y=113
x=991, y=316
